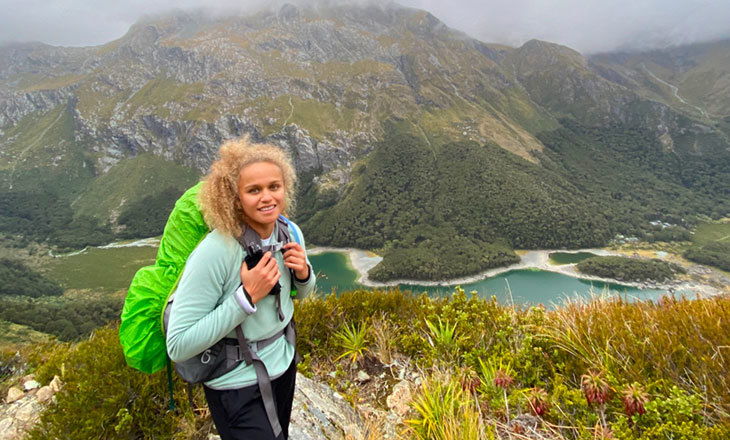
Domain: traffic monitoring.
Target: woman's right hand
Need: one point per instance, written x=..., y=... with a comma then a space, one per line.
x=259, y=281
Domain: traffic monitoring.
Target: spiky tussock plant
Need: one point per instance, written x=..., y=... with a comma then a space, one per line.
x=353, y=339
x=445, y=412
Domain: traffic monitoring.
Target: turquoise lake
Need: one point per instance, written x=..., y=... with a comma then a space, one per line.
x=527, y=286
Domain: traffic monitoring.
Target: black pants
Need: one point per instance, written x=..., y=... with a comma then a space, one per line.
x=240, y=414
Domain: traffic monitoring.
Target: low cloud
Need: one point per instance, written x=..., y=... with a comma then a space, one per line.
x=587, y=26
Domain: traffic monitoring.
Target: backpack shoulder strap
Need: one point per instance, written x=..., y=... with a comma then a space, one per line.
x=289, y=226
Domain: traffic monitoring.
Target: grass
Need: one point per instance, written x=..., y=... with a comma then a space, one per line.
x=12, y=334
x=52, y=83
x=156, y=93
x=129, y=181
x=42, y=153
x=98, y=269
x=319, y=118
x=93, y=103
x=353, y=339
x=708, y=232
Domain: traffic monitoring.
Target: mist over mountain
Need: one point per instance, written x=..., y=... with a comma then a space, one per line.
x=590, y=27
x=409, y=136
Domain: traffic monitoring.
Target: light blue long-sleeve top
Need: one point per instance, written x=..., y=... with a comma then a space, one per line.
x=206, y=309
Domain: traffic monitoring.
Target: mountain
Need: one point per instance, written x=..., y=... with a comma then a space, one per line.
x=410, y=138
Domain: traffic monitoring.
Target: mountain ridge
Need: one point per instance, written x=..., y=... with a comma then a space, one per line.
x=328, y=85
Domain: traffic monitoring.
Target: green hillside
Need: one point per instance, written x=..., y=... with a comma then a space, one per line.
x=631, y=179
x=452, y=210
x=136, y=194
x=40, y=154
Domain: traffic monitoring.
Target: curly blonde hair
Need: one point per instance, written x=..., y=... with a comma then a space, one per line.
x=219, y=198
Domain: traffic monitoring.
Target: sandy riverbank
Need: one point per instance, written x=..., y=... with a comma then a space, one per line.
x=363, y=261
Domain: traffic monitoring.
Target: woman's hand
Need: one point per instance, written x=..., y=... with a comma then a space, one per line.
x=259, y=281
x=296, y=260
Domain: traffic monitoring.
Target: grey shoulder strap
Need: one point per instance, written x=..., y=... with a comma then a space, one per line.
x=262, y=375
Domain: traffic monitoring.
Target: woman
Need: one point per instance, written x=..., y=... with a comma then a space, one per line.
x=241, y=199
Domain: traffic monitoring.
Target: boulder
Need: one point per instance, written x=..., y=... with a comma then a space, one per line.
x=31, y=385
x=44, y=394
x=14, y=394
x=56, y=384
x=399, y=399
x=319, y=413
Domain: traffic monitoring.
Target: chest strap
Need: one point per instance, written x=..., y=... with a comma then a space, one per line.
x=249, y=239
x=248, y=352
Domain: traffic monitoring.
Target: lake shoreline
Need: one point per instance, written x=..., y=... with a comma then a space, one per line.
x=362, y=261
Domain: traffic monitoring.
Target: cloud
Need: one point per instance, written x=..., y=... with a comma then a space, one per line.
x=587, y=26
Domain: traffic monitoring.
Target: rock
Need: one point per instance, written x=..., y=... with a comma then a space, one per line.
x=8, y=430
x=14, y=394
x=56, y=384
x=399, y=399
x=527, y=424
x=362, y=376
x=44, y=394
x=385, y=422
x=317, y=414
x=28, y=413
x=31, y=385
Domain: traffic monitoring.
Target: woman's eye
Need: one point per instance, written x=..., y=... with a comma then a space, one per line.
x=253, y=190
x=275, y=187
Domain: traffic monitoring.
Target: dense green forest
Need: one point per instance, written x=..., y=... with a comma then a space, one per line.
x=48, y=217
x=631, y=178
x=715, y=253
x=68, y=319
x=630, y=269
x=16, y=278
x=453, y=210
x=438, y=212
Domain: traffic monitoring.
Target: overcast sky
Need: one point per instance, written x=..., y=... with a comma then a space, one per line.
x=586, y=25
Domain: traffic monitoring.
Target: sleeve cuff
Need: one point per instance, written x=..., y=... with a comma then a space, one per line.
x=298, y=281
x=244, y=300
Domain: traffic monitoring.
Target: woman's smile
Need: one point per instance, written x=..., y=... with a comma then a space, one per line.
x=261, y=192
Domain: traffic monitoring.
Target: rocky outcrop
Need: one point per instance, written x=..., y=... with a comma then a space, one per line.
x=318, y=413
x=22, y=408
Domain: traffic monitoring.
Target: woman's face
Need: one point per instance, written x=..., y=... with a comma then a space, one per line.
x=261, y=191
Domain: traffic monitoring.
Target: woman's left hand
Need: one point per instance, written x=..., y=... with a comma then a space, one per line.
x=296, y=260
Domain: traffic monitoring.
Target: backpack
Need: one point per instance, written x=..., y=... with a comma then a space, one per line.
x=141, y=332
x=142, y=329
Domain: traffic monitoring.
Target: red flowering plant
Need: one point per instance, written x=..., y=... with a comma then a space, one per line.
x=634, y=398
x=597, y=391
x=595, y=387
x=538, y=400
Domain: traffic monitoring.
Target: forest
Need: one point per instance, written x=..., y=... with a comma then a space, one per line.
x=437, y=212
x=630, y=269
x=714, y=254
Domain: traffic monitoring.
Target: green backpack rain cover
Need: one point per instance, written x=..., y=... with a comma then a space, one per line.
x=141, y=332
